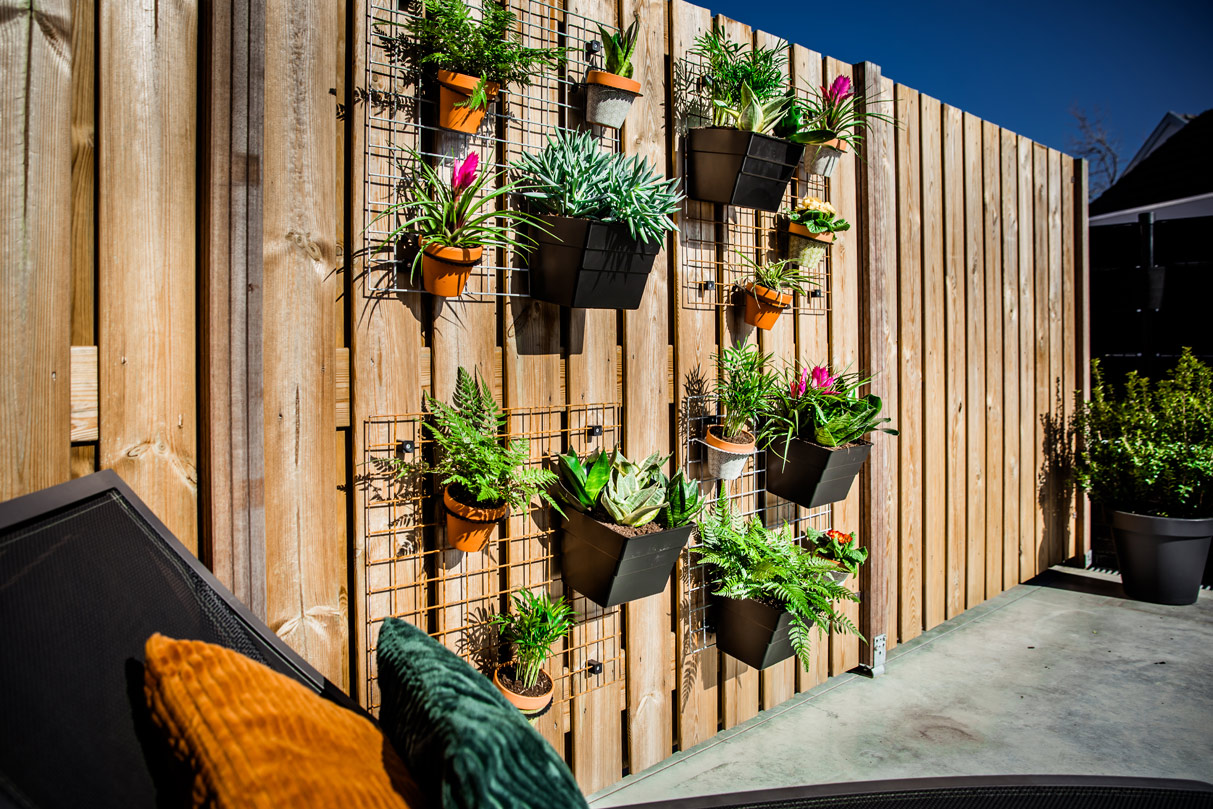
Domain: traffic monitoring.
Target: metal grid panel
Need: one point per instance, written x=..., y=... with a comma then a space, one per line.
x=413, y=574
x=749, y=488
x=400, y=113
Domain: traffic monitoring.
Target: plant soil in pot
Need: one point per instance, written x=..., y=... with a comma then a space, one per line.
x=608, y=98
x=763, y=306
x=726, y=458
x=813, y=475
x=532, y=700
x=468, y=528
x=755, y=633
x=805, y=247
x=822, y=158
x=456, y=88
x=613, y=564
x=588, y=264
x=1162, y=559
x=445, y=270
x=735, y=167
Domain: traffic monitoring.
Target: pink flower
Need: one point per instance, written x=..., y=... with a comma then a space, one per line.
x=464, y=174
x=822, y=380
x=839, y=91
x=798, y=389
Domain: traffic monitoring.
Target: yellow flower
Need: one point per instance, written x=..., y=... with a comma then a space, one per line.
x=815, y=204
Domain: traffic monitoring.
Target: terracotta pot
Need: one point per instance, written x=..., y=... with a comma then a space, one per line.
x=763, y=306
x=725, y=460
x=528, y=705
x=823, y=157
x=468, y=528
x=805, y=248
x=455, y=88
x=608, y=98
x=445, y=270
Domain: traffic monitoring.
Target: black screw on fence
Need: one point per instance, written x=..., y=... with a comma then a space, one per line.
x=595, y=430
x=594, y=667
x=407, y=447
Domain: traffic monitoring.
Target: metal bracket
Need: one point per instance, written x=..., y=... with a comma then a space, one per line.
x=594, y=667
x=1088, y=558
x=594, y=430
x=816, y=293
x=407, y=447
x=879, y=645
x=708, y=286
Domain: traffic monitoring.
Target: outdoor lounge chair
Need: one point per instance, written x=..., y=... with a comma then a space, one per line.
x=87, y=573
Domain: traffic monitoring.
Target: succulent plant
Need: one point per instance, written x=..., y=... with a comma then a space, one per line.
x=684, y=501
x=750, y=113
x=635, y=493
x=619, y=47
x=579, y=483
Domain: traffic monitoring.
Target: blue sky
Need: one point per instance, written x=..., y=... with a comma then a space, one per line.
x=1020, y=65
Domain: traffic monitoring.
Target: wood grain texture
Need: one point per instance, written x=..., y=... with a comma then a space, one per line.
x=1043, y=395
x=995, y=323
x=911, y=398
x=1057, y=510
x=305, y=561
x=954, y=336
x=650, y=641
x=146, y=260
x=84, y=172
x=1027, y=366
x=1082, y=327
x=975, y=368
x=84, y=393
x=1066, y=497
x=1012, y=446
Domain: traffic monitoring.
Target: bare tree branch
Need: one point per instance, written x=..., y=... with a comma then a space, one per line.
x=1094, y=144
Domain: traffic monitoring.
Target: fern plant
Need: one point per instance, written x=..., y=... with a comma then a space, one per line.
x=619, y=47
x=533, y=624
x=483, y=469
x=747, y=560
x=572, y=176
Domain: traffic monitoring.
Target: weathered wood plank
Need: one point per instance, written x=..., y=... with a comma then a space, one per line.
x=84, y=393
x=1058, y=508
x=1069, y=354
x=1040, y=339
x=146, y=260
x=1012, y=446
x=84, y=190
x=954, y=347
x=1082, y=328
x=974, y=362
x=994, y=315
x=1027, y=363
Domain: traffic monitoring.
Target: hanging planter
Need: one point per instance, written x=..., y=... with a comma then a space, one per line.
x=589, y=265
x=608, y=98
x=726, y=458
x=811, y=475
x=468, y=528
x=813, y=225
x=763, y=306
x=530, y=700
x=445, y=270
x=612, y=564
x=1162, y=559
x=806, y=248
x=457, y=88
x=533, y=624
x=755, y=633
x=735, y=167
x=769, y=290
x=822, y=158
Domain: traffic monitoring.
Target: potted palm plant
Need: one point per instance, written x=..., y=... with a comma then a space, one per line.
x=474, y=58
x=770, y=591
x=483, y=475
x=834, y=120
x=531, y=627
x=770, y=288
x=738, y=160
x=743, y=384
x=813, y=226
x=1146, y=454
x=609, y=93
x=604, y=219
x=815, y=425
x=625, y=527
x=839, y=548
x=454, y=222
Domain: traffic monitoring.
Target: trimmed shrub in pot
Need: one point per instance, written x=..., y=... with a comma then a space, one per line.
x=770, y=591
x=813, y=226
x=769, y=290
x=609, y=93
x=625, y=526
x=484, y=476
x=531, y=627
x=474, y=58
x=1147, y=455
x=813, y=431
x=739, y=160
x=839, y=548
x=743, y=384
x=832, y=121
x=454, y=221
x=604, y=218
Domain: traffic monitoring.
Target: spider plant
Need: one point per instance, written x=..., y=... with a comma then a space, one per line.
x=777, y=276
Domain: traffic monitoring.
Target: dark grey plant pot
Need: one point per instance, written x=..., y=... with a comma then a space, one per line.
x=609, y=568
x=813, y=475
x=1161, y=559
x=752, y=632
x=587, y=264
x=733, y=167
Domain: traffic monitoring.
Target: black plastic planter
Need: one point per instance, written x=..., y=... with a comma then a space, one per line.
x=1162, y=559
x=609, y=568
x=733, y=167
x=813, y=475
x=590, y=265
x=752, y=632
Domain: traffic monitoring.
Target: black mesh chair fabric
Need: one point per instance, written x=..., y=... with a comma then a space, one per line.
x=82, y=587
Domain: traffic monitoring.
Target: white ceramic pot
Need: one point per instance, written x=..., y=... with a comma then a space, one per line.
x=823, y=160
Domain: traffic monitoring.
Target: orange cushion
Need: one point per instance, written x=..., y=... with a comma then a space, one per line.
x=256, y=738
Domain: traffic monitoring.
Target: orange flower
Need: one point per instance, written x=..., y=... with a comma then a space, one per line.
x=840, y=537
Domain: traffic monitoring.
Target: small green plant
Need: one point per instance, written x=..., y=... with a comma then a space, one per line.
x=581, y=483
x=834, y=113
x=746, y=85
x=483, y=469
x=778, y=275
x=685, y=501
x=457, y=213
x=611, y=488
x=749, y=561
x=619, y=47
x=750, y=114
x=823, y=407
x=1149, y=450
x=743, y=385
x=533, y=624
x=634, y=494
x=817, y=216
x=447, y=36
x=838, y=547
x=572, y=176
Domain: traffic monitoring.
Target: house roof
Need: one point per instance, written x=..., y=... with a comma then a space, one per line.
x=1180, y=167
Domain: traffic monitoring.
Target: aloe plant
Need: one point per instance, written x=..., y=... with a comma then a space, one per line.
x=619, y=47
x=634, y=495
x=613, y=487
x=750, y=113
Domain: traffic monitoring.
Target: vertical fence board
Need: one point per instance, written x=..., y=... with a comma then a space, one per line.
x=1011, y=380
x=84, y=187
x=146, y=256
x=1027, y=361
x=993, y=413
x=1082, y=320
x=1043, y=394
x=1058, y=504
x=975, y=370
x=1067, y=497
x=934, y=456
x=954, y=341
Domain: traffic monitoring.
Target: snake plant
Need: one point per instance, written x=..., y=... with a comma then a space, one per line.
x=619, y=47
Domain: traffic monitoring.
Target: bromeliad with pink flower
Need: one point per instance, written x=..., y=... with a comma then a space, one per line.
x=454, y=220
x=835, y=112
x=823, y=406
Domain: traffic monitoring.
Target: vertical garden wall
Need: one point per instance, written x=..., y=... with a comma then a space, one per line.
x=189, y=206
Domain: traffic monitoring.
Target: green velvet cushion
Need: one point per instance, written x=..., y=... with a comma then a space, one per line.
x=464, y=743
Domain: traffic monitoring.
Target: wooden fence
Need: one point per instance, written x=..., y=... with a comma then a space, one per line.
x=191, y=301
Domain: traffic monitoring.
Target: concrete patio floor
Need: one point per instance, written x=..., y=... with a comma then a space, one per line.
x=1062, y=675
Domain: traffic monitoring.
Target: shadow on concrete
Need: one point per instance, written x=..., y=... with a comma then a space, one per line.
x=1079, y=583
